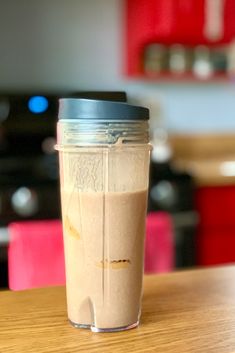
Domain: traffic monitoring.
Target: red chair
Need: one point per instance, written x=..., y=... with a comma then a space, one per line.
x=35, y=254
x=159, y=244
x=36, y=258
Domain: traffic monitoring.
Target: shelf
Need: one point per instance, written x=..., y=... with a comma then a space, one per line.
x=189, y=77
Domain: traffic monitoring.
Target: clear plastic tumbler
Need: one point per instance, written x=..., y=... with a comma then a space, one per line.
x=104, y=171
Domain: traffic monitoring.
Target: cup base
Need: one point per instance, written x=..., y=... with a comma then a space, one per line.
x=74, y=324
x=110, y=329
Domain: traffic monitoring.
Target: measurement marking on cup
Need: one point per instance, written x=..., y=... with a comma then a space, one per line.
x=80, y=217
x=107, y=224
x=113, y=264
x=103, y=247
x=103, y=226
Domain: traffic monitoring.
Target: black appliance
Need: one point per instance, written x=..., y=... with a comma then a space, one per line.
x=28, y=163
x=173, y=191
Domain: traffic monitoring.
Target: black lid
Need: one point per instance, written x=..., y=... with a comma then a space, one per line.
x=77, y=108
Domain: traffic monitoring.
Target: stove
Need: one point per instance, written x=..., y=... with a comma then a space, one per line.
x=29, y=180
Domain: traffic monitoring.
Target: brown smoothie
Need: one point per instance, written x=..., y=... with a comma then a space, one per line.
x=104, y=242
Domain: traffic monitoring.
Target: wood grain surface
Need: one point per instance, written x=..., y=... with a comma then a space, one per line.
x=205, y=156
x=188, y=311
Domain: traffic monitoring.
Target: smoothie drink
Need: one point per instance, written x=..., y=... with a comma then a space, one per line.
x=104, y=200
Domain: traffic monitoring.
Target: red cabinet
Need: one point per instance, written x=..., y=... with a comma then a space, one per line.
x=169, y=22
x=216, y=231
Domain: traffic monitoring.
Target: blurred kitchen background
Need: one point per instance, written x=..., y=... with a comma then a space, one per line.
x=175, y=56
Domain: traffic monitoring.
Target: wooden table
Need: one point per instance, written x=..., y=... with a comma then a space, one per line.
x=188, y=311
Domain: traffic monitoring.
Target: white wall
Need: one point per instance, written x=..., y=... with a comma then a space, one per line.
x=78, y=45
x=58, y=44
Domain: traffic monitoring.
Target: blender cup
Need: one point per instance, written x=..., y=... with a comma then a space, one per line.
x=104, y=155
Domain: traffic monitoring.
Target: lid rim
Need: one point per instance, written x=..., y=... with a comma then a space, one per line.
x=93, y=109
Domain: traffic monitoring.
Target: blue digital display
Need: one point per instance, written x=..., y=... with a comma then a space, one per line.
x=38, y=104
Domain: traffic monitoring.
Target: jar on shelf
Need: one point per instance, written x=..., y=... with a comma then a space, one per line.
x=219, y=59
x=155, y=59
x=180, y=59
x=231, y=59
x=202, y=65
